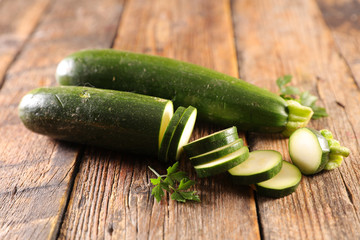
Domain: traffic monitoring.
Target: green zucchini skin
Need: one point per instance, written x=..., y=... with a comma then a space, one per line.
x=219, y=98
x=217, y=153
x=223, y=166
x=211, y=142
x=106, y=118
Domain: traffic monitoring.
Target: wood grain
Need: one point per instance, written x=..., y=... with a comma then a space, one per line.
x=343, y=18
x=36, y=172
x=18, y=19
x=289, y=37
x=120, y=205
x=52, y=189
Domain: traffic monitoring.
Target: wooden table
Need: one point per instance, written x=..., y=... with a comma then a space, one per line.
x=52, y=189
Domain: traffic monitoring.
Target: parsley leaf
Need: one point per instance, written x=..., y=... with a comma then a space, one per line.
x=185, y=184
x=304, y=98
x=157, y=192
x=176, y=183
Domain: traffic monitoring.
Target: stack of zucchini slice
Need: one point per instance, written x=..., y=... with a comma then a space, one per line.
x=224, y=151
x=217, y=153
x=177, y=133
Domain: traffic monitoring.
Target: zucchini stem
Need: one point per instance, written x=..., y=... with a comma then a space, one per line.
x=299, y=116
x=337, y=152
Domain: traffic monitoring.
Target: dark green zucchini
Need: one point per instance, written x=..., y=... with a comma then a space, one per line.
x=107, y=118
x=219, y=98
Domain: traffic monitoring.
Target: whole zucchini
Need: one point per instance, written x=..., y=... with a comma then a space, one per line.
x=219, y=98
x=106, y=118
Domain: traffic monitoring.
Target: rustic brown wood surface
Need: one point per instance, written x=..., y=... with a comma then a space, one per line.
x=53, y=189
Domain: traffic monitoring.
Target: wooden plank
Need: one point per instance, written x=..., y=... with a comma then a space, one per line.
x=289, y=37
x=343, y=18
x=17, y=21
x=111, y=197
x=36, y=172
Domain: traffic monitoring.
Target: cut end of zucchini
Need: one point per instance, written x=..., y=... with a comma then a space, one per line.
x=282, y=184
x=261, y=165
x=168, y=114
x=308, y=150
x=299, y=116
x=64, y=69
x=188, y=129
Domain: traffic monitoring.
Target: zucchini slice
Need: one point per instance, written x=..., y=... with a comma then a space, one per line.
x=211, y=142
x=309, y=150
x=182, y=133
x=217, y=153
x=222, y=164
x=165, y=120
x=261, y=165
x=165, y=143
x=282, y=184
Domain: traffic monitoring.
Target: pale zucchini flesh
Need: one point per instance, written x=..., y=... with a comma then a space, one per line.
x=168, y=114
x=309, y=150
x=282, y=184
x=261, y=165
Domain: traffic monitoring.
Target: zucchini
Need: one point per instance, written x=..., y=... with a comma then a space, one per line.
x=222, y=164
x=106, y=118
x=311, y=150
x=217, y=153
x=169, y=132
x=282, y=184
x=211, y=142
x=261, y=165
x=219, y=98
x=182, y=133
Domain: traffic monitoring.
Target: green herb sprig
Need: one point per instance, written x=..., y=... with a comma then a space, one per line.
x=175, y=182
x=304, y=98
